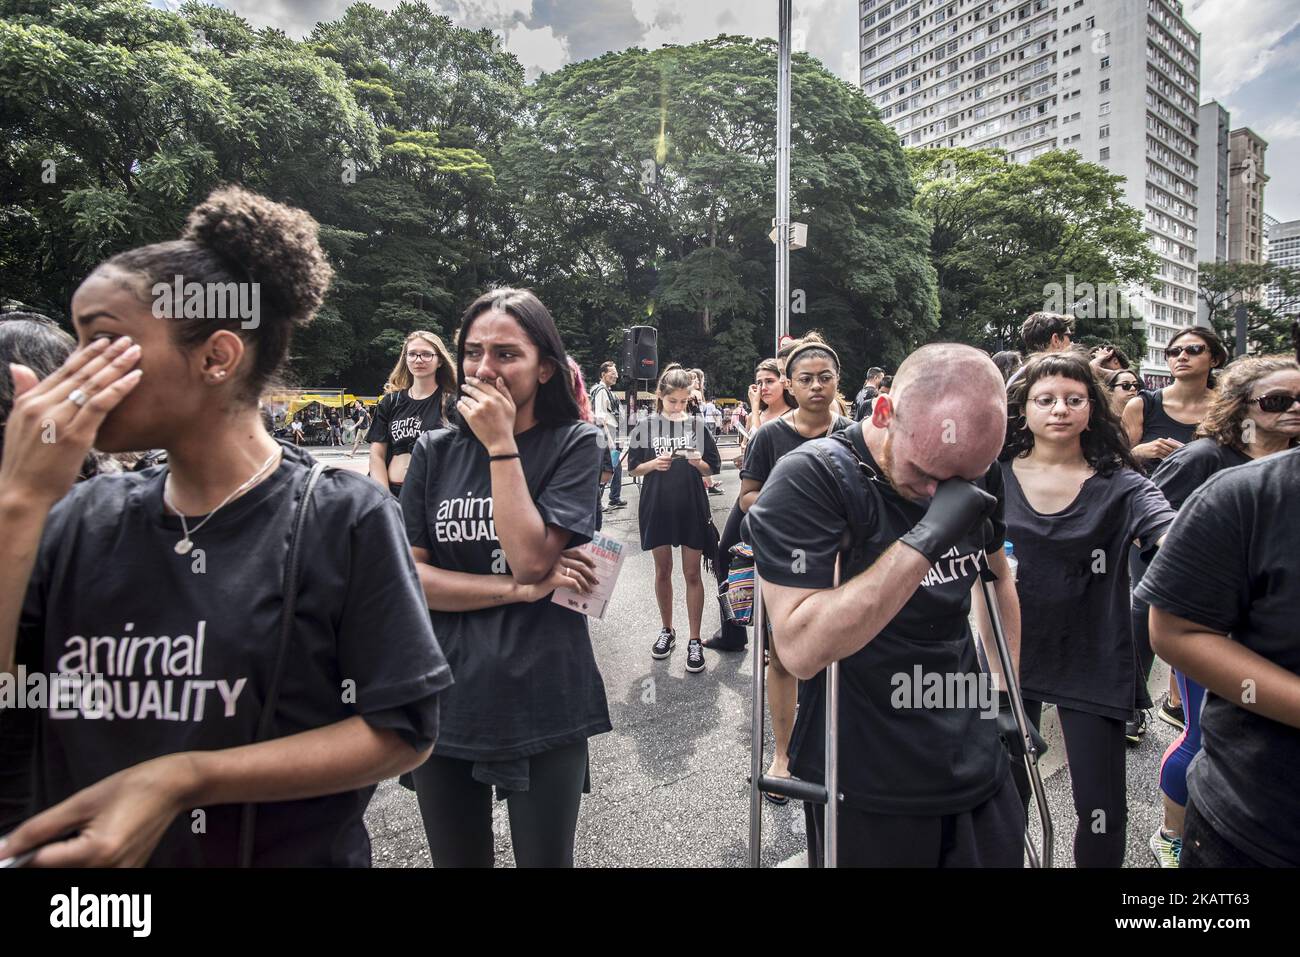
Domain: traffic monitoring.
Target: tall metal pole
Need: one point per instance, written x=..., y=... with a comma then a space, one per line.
x=783, y=172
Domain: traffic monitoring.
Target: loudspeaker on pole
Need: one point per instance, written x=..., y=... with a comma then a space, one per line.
x=641, y=353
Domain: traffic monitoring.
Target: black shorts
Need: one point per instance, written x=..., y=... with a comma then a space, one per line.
x=990, y=835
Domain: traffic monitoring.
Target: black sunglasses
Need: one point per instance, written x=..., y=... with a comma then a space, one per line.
x=1173, y=352
x=1126, y=386
x=1277, y=401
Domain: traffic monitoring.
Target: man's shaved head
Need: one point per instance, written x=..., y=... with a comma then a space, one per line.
x=946, y=417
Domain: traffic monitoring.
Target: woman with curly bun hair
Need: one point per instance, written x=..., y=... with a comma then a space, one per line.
x=164, y=604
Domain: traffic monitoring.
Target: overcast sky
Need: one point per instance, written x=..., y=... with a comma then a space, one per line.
x=1250, y=48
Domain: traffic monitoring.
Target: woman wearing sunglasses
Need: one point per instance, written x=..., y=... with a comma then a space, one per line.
x=1160, y=422
x=415, y=401
x=1123, y=385
x=1075, y=503
x=1256, y=413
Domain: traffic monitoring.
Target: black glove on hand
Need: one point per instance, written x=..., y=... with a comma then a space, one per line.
x=956, y=508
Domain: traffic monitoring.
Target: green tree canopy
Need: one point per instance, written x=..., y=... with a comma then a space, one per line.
x=120, y=117
x=1224, y=286
x=1008, y=240
x=644, y=185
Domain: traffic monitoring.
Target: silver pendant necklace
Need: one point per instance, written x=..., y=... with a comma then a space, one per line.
x=186, y=543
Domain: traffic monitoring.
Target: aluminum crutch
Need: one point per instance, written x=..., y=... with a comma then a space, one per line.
x=792, y=787
x=1027, y=743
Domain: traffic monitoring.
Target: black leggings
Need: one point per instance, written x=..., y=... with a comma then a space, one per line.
x=457, y=810
x=732, y=633
x=1095, y=750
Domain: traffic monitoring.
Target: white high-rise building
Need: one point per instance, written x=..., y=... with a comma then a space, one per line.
x=1116, y=80
x=1284, y=250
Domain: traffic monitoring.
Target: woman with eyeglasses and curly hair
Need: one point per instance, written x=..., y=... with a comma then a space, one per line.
x=1256, y=413
x=1076, y=500
x=416, y=399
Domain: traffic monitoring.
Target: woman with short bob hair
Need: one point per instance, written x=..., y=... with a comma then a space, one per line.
x=1075, y=502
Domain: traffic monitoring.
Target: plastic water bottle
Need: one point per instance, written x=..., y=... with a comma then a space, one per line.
x=1010, y=551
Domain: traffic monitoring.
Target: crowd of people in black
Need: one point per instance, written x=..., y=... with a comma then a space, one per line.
x=266, y=639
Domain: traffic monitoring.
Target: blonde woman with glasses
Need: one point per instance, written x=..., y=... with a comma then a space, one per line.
x=415, y=401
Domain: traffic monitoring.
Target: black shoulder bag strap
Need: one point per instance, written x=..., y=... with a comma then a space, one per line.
x=845, y=454
x=248, y=819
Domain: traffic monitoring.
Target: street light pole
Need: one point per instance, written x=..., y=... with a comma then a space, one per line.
x=783, y=173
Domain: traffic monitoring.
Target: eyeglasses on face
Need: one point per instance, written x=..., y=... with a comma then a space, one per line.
x=421, y=356
x=1173, y=352
x=1048, y=402
x=1277, y=401
x=806, y=380
x=1126, y=386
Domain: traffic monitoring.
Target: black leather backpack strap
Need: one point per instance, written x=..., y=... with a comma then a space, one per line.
x=266, y=722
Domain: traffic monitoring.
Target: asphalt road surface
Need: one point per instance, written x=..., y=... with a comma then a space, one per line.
x=669, y=783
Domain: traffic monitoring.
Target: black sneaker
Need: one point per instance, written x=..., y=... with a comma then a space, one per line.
x=1171, y=714
x=1136, y=727
x=695, y=656
x=716, y=490
x=614, y=505
x=663, y=646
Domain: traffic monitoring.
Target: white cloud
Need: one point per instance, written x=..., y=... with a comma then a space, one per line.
x=538, y=49
x=1282, y=128
x=1239, y=41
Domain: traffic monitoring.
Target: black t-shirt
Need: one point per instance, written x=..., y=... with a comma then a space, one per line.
x=526, y=676
x=1076, y=633
x=1230, y=564
x=400, y=420
x=1182, y=473
x=918, y=757
x=1159, y=424
x=185, y=645
x=773, y=441
x=674, y=508
x=862, y=402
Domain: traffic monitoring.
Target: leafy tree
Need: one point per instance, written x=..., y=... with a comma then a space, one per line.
x=1225, y=285
x=420, y=217
x=1011, y=239
x=120, y=117
x=644, y=185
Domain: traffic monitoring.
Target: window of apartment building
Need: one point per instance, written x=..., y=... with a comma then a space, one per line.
x=1090, y=23
x=1105, y=153
x=1104, y=132
x=1104, y=109
x=1105, y=86
x=1105, y=63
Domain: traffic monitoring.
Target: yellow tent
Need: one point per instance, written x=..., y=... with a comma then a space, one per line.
x=295, y=402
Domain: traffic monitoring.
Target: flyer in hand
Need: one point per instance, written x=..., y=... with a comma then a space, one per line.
x=608, y=554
